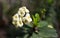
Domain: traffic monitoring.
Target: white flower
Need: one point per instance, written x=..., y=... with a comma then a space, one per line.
x=19, y=23
x=27, y=18
x=20, y=17
x=15, y=17
x=21, y=11
x=17, y=20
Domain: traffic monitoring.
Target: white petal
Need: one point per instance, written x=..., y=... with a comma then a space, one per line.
x=13, y=22
x=19, y=23
x=20, y=9
x=15, y=17
x=26, y=10
x=29, y=20
x=24, y=7
x=28, y=17
x=26, y=20
x=21, y=12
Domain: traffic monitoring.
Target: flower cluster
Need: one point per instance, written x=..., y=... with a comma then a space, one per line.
x=21, y=17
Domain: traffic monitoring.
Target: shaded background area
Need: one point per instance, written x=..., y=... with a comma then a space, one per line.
x=49, y=17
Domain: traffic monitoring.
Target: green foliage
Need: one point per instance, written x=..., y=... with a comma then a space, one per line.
x=45, y=32
x=36, y=19
x=42, y=24
x=50, y=1
x=43, y=11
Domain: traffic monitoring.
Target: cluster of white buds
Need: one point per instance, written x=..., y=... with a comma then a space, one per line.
x=21, y=17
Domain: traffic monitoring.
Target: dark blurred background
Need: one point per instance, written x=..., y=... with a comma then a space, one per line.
x=49, y=11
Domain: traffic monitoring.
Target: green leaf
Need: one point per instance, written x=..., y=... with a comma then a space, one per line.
x=36, y=18
x=42, y=24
